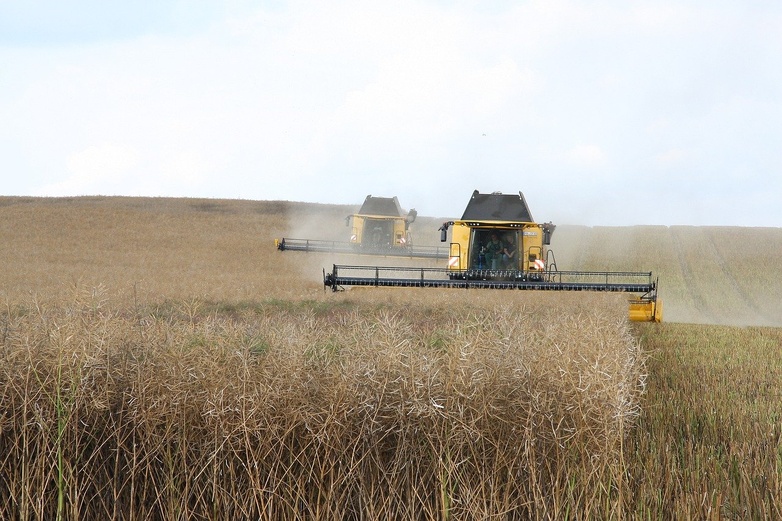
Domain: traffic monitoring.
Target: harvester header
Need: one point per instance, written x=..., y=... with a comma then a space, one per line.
x=497, y=245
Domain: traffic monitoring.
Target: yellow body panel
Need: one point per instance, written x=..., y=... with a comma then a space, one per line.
x=646, y=311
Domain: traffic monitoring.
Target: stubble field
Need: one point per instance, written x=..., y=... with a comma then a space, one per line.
x=160, y=359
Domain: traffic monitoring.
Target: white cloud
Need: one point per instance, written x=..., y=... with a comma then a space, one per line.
x=109, y=161
x=424, y=100
x=586, y=155
x=671, y=157
x=94, y=170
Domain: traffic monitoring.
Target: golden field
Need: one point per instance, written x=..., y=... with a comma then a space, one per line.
x=180, y=248
x=162, y=360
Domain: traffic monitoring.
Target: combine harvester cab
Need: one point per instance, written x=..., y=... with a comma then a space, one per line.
x=380, y=224
x=498, y=245
x=496, y=239
x=380, y=227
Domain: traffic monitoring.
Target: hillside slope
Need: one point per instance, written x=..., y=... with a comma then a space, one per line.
x=224, y=249
x=708, y=275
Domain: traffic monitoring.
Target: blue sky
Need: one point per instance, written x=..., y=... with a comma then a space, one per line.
x=602, y=112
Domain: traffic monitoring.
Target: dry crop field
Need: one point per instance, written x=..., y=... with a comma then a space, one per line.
x=160, y=359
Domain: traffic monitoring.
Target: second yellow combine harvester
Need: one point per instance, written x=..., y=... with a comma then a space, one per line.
x=380, y=227
x=497, y=244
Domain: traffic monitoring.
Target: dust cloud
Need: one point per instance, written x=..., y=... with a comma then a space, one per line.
x=706, y=275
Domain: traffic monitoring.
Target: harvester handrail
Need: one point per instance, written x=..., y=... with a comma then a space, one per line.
x=551, y=265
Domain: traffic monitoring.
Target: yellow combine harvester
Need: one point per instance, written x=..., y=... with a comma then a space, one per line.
x=380, y=223
x=380, y=227
x=497, y=244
